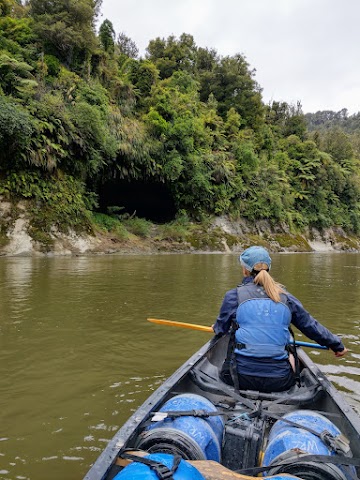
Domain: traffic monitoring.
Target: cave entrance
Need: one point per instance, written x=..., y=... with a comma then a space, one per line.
x=152, y=201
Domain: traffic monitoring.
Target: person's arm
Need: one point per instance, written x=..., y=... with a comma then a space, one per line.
x=227, y=312
x=313, y=329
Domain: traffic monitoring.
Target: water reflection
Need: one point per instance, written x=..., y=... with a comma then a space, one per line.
x=77, y=355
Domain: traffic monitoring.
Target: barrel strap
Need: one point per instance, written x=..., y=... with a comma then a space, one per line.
x=161, y=470
x=338, y=444
x=303, y=457
x=160, y=416
x=258, y=410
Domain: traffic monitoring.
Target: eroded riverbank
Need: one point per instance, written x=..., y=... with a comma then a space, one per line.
x=109, y=235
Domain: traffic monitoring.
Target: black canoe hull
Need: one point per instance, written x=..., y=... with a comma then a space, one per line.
x=200, y=375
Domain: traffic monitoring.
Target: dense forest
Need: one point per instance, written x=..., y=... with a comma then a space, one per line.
x=85, y=122
x=327, y=120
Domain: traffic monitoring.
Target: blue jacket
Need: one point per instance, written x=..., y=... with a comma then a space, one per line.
x=300, y=318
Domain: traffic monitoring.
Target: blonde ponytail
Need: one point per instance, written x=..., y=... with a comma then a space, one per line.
x=272, y=288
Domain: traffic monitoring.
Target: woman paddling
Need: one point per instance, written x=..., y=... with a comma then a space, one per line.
x=260, y=311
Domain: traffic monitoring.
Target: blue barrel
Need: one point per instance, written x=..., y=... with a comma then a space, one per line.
x=284, y=438
x=191, y=437
x=139, y=471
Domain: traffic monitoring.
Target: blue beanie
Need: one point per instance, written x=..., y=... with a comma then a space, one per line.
x=254, y=255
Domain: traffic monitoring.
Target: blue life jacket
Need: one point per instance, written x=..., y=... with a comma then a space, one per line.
x=262, y=324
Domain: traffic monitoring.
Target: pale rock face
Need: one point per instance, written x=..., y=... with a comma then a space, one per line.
x=20, y=241
x=320, y=243
x=21, y=244
x=318, y=246
x=64, y=244
x=68, y=244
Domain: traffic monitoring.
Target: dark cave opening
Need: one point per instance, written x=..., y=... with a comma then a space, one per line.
x=152, y=201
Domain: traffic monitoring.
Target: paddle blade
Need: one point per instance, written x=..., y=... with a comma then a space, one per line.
x=191, y=326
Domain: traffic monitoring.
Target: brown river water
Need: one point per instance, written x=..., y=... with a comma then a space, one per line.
x=77, y=355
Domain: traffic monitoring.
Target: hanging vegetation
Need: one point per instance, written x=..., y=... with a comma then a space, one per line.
x=79, y=108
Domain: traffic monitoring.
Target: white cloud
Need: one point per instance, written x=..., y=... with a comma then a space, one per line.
x=303, y=50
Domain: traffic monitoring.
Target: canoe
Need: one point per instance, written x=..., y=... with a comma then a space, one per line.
x=213, y=431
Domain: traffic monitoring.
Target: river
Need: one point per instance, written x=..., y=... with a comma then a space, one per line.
x=77, y=355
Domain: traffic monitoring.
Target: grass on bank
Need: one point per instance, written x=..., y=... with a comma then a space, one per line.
x=125, y=227
x=181, y=233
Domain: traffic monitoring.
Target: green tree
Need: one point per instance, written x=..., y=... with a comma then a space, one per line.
x=15, y=75
x=16, y=129
x=338, y=144
x=172, y=54
x=5, y=8
x=232, y=84
x=66, y=27
x=286, y=119
x=144, y=75
x=107, y=36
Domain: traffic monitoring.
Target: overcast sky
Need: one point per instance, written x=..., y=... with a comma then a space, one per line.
x=306, y=50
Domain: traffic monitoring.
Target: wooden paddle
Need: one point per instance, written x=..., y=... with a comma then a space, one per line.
x=203, y=328
x=192, y=326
